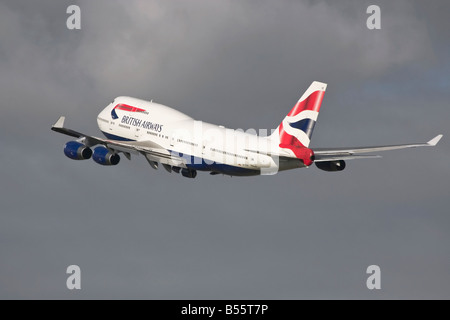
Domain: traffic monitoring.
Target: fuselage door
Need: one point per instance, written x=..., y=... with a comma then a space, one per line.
x=208, y=152
x=252, y=159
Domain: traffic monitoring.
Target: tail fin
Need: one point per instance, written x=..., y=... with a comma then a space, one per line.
x=296, y=129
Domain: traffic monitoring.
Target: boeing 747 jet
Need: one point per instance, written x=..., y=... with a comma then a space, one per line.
x=179, y=143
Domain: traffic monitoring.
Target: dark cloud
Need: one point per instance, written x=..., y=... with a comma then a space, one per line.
x=139, y=233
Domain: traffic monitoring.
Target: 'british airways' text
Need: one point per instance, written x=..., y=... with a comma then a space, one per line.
x=142, y=124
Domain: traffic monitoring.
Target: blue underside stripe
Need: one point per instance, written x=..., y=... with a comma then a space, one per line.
x=196, y=163
x=114, y=137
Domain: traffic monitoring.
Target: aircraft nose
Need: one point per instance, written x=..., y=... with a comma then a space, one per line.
x=104, y=117
x=106, y=112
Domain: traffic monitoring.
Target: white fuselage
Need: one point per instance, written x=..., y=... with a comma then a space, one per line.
x=205, y=146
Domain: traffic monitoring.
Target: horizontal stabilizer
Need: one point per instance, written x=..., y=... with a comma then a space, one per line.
x=320, y=158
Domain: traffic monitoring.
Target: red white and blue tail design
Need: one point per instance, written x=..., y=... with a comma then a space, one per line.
x=295, y=131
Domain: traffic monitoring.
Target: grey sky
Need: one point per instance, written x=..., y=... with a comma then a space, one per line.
x=140, y=233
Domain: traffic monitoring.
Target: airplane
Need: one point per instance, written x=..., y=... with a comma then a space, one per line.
x=181, y=144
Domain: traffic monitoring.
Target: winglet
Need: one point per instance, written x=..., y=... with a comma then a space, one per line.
x=59, y=123
x=435, y=140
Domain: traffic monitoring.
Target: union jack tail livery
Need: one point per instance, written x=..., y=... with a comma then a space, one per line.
x=295, y=131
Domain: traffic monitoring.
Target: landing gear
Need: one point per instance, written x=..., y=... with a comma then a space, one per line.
x=188, y=173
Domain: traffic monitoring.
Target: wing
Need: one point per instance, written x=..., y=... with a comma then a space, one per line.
x=323, y=154
x=152, y=151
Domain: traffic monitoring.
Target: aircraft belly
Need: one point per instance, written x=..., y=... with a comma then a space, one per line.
x=196, y=163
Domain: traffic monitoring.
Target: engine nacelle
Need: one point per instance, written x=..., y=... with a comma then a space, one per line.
x=77, y=151
x=331, y=166
x=189, y=173
x=105, y=157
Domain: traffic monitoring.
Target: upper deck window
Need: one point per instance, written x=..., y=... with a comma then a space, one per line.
x=126, y=107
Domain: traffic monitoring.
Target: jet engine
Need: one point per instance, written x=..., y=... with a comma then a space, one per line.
x=77, y=151
x=105, y=157
x=331, y=166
